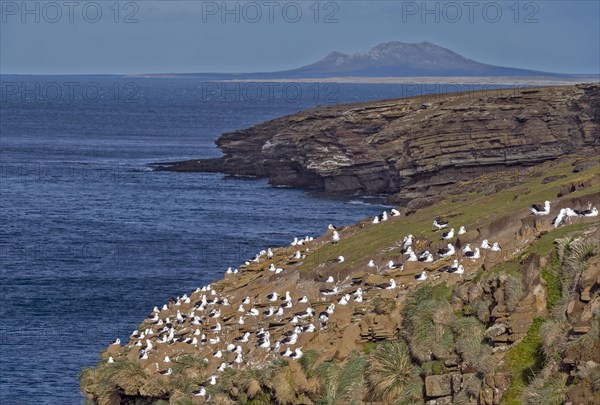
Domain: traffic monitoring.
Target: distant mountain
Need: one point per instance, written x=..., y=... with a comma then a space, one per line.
x=393, y=59
x=390, y=59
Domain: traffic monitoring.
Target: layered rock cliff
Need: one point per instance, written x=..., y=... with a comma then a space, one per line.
x=416, y=145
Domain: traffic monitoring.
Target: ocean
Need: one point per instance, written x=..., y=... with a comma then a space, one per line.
x=91, y=239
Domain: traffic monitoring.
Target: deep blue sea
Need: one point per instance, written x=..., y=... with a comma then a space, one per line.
x=91, y=240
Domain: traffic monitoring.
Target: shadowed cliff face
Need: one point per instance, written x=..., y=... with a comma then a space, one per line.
x=416, y=145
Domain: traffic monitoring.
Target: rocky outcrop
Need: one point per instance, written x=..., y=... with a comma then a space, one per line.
x=416, y=145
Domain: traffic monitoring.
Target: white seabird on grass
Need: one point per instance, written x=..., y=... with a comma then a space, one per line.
x=335, y=238
x=110, y=360
x=371, y=263
x=201, y=392
x=392, y=265
x=440, y=223
x=387, y=286
x=496, y=247
x=457, y=270
x=558, y=220
x=272, y=297
x=412, y=257
x=169, y=371
x=422, y=276
x=537, y=209
x=447, y=251
x=297, y=354
x=395, y=212
x=407, y=241
x=116, y=342
x=426, y=257
x=328, y=291
x=448, y=235
x=462, y=230
x=473, y=255
x=329, y=279
x=485, y=244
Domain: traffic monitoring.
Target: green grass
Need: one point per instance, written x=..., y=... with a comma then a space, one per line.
x=545, y=245
x=551, y=274
x=523, y=361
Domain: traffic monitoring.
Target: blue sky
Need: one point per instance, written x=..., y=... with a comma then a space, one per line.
x=245, y=36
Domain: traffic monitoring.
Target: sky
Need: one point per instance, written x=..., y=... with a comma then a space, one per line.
x=173, y=36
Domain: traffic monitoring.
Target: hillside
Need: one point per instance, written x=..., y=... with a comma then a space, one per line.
x=418, y=145
x=519, y=324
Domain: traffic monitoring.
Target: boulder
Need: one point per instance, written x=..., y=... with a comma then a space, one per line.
x=438, y=385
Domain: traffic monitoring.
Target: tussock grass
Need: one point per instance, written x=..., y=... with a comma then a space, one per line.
x=469, y=344
x=391, y=375
x=546, y=391
x=342, y=383
x=427, y=315
x=513, y=291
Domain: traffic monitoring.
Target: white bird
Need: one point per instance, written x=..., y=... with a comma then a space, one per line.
x=344, y=300
x=169, y=371
x=166, y=359
x=467, y=248
x=496, y=247
x=329, y=279
x=201, y=392
x=472, y=254
x=485, y=244
x=395, y=212
x=559, y=218
x=440, y=224
x=273, y=297
x=421, y=277
x=110, y=360
x=303, y=300
x=412, y=257
x=426, y=257
x=371, y=263
x=448, y=235
x=297, y=354
x=327, y=291
x=340, y=259
x=462, y=230
x=335, y=238
x=407, y=241
x=457, y=270
x=387, y=286
x=218, y=354
x=392, y=265
x=447, y=251
x=537, y=209
x=269, y=253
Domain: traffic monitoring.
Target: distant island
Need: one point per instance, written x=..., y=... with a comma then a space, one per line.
x=397, y=62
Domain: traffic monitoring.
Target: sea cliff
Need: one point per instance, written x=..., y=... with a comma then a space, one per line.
x=417, y=145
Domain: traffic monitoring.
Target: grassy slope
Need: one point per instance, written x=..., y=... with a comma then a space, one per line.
x=480, y=209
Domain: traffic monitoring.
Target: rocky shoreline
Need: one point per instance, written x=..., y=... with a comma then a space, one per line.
x=418, y=145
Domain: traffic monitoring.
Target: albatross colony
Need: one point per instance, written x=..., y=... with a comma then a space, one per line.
x=286, y=300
